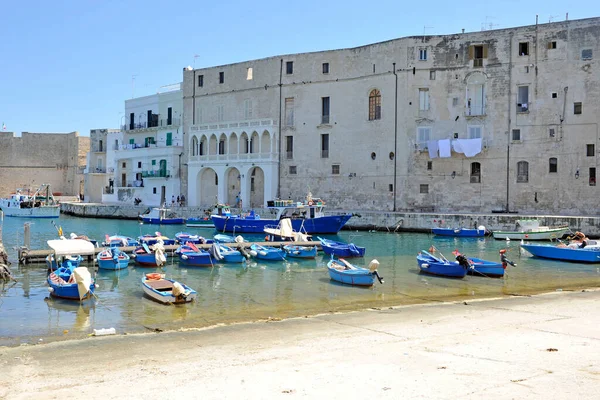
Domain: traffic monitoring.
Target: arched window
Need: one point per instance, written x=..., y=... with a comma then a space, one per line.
x=553, y=163
x=475, y=172
x=522, y=172
x=194, y=146
x=374, y=105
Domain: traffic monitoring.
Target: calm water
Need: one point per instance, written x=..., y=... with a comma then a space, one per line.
x=233, y=293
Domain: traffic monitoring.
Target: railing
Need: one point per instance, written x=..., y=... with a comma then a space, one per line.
x=108, y=190
x=475, y=110
x=163, y=122
x=156, y=174
x=478, y=62
x=98, y=170
x=135, y=146
x=522, y=107
x=98, y=149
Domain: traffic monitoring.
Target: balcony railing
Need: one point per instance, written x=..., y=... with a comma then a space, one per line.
x=475, y=110
x=108, y=190
x=98, y=170
x=161, y=123
x=156, y=174
x=135, y=146
x=324, y=153
x=478, y=62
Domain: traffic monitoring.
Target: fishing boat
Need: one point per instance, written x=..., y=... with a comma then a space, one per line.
x=112, y=258
x=588, y=254
x=191, y=255
x=295, y=251
x=151, y=239
x=150, y=256
x=184, y=237
x=460, y=232
x=68, y=253
x=530, y=229
x=119, y=241
x=161, y=216
x=342, y=271
x=225, y=254
x=206, y=220
x=284, y=232
x=72, y=284
x=430, y=264
x=40, y=204
x=267, y=253
x=340, y=249
x=167, y=291
x=307, y=217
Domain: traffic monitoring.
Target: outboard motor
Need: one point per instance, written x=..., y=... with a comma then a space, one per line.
x=505, y=261
x=462, y=260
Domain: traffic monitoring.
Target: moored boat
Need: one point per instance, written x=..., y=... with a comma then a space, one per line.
x=430, y=264
x=340, y=249
x=41, y=204
x=267, y=253
x=68, y=253
x=151, y=239
x=150, y=256
x=225, y=254
x=167, y=291
x=295, y=251
x=119, y=241
x=460, y=232
x=342, y=271
x=284, y=232
x=161, y=216
x=72, y=284
x=588, y=254
x=191, y=255
x=530, y=229
x=112, y=258
x=206, y=221
x=184, y=237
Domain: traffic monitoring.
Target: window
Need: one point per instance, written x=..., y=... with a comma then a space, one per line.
x=429, y=165
x=523, y=99
x=220, y=113
x=454, y=101
x=577, y=108
x=593, y=176
x=527, y=69
x=391, y=187
x=522, y=172
x=475, y=172
x=100, y=146
x=289, y=67
x=423, y=188
x=478, y=53
x=475, y=132
x=248, y=109
x=335, y=169
x=524, y=48
x=432, y=75
x=324, y=110
x=293, y=170
x=554, y=95
x=222, y=146
x=194, y=146
x=325, y=145
x=99, y=165
x=124, y=165
x=153, y=190
x=289, y=111
x=586, y=54
x=591, y=151
x=392, y=155
x=552, y=45
x=153, y=162
x=325, y=68
x=289, y=147
x=200, y=80
x=221, y=77
x=423, y=99
x=249, y=73
x=139, y=164
x=374, y=105
x=553, y=165
x=423, y=135
x=551, y=132
x=423, y=54
x=516, y=134
x=201, y=148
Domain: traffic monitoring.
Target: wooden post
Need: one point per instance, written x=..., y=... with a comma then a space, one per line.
x=27, y=235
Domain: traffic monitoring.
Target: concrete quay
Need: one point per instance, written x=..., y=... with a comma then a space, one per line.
x=369, y=220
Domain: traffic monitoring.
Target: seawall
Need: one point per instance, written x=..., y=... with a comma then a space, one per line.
x=367, y=220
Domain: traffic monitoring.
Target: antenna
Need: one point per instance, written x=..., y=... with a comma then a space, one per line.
x=551, y=18
x=133, y=84
x=195, y=56
x=488, y=25
x=425, y=29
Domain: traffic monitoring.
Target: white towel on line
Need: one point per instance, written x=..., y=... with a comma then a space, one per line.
x=432, y=147
x=444, y=148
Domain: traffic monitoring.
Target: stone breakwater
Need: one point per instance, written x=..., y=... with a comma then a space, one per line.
x=367, y=220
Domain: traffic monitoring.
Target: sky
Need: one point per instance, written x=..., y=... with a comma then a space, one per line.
x=69, y=65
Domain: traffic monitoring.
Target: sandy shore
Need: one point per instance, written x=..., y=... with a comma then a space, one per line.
x=540, y=347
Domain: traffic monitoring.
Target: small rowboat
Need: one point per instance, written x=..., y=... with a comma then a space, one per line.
x=433, y=265
x=344, y=272
x=267, y=253
x=300, y=251
x=460, y=232
x=588, y=254
x=191, y=255
x=166, y=291
x=112, y=258
x=72, y=284
x=150, y=257
x=347, y=250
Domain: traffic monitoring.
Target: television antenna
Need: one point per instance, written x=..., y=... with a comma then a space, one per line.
x=425, y=29
x=551, y=18
x=488, y=25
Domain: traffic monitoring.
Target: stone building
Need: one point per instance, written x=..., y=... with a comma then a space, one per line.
x=97, y=176
x=372, y=127
x=29, y=160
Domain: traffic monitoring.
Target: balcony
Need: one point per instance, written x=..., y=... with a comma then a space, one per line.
x=475, y=111
x=478, y=62
x=161, y=123
x=108, y=190
x=97, y=170
x=156, y=174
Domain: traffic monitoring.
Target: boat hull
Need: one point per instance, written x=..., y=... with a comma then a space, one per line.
x=485, y=268
x=327, y=224
x=339, y=249
x=146, y=260
x=36, y=212
x=199, y=223
x=267, y=253
x=161, y=291
x=433, y=266
x=585, y=255
x=110, y=264
x=459, y=232
x=164, y=221
x=67, y=290
x=355, y=277
x=202, y=259
x=549, y=234
x=300, y=251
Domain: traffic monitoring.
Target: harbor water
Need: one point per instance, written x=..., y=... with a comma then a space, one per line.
x=253, y=291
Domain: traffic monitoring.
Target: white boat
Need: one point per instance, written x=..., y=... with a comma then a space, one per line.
x=166, y=291
x=530, y=229
x=40, y=204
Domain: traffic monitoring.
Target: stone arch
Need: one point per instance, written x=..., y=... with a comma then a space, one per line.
x=203, y=146
x=234, y=147
x=207, y=186
x=213, y=145
x=194, y=146
x=244, y=143
x=222, y=146
x=265, y=142
x=254, y=143
x=256, y=181
x=233, y=188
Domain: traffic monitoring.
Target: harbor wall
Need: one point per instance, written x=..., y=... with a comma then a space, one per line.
x=368, y=220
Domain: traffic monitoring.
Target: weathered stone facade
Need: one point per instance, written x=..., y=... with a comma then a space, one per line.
x=353, y=125
x=35, y=158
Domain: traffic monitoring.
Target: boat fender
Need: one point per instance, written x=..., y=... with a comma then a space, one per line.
x=263, y=253
x=153, y=276
x=424, y=265
x=184, y=256
x=253, y=253
x=50, y=289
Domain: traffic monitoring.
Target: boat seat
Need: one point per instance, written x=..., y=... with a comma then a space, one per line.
x=161, y=284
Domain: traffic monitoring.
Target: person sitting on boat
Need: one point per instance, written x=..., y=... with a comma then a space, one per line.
x=579, y=241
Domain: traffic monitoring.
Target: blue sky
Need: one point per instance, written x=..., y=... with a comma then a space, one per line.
x=68, y=65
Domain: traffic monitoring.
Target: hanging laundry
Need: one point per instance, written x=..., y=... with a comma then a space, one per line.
x=432, y=147
x=444, y=148
x=470, y=147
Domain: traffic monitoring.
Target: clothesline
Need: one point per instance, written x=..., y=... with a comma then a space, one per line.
x=468, y=147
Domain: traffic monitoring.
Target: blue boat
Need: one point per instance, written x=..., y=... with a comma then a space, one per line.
x=112, y=258
x=305, y=217
x=487, y=268
x=119, y=241
x=430, y=264
x=267, y=253
x=226, y=254
x=72, y=284
x=206, y=221
x=191, y=255
x=346, y=250
x=460, y=232
x=221, y=238
x=184, y=237
x=146, y=256
x=67, y=261
x=161, y=216
x=342, y=271
x=68, y=253
x=295, y=251
x=150, y=239
x=588, y=254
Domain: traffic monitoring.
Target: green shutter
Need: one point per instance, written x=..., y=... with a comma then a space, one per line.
x=169, y=138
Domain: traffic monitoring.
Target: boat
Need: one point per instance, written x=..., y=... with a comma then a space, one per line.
x=112, y=258
x=150, y=256
x=340, y=249
x=305, y=216
x=151, y=239
x=342, y=271
x=83, y=237
x=191, y=255
x=161, y=216
x=68, y=253
x=221, y=238
x=206, y=221
x=588, y=254
x=183, y=237
x=67, y=261
x=296, y=251
x=40, y=204
x=72, y=284
x=530, y=229
x=284, y=232
x=267, y=253
x=430, y=264
x=167, y=291
x=460, y=232
x=119, y=241
x=225, y=254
